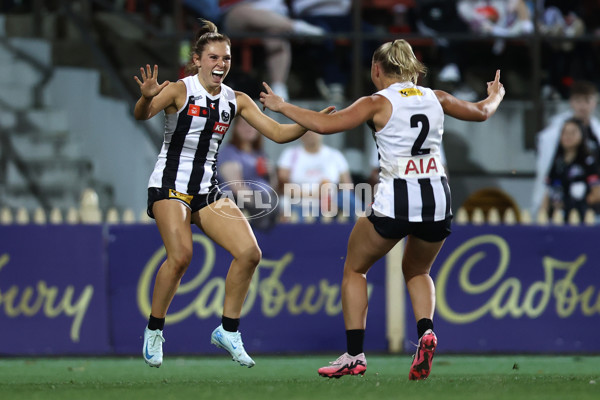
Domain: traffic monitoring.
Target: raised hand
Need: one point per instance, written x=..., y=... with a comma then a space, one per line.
x=270, y=100
x=149, y=86
x=495, y=87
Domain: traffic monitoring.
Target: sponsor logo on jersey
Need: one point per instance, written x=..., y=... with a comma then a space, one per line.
x=410, y=92
x=220, y=128
x=186, y=198
x=197, y=111
x=420, y=166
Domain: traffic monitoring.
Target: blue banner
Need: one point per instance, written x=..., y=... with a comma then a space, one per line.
x=293, y=305
x=517, y=289
x=53, y=293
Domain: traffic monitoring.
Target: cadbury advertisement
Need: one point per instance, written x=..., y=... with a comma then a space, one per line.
x=82, y=289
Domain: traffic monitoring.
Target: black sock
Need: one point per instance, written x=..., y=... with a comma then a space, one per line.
x=354, y=341
x=230, y=324
x=423, y=325
x=156, y=323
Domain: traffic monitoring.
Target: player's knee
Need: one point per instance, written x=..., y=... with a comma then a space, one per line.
x=180, y=260
x=413, y=266
x=410, y=271
x=351, y=269
x=251, y=256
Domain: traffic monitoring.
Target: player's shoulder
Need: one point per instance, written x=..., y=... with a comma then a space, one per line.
x=175, y=89
x=240, y=97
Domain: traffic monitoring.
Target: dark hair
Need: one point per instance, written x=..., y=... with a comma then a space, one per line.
x=583, y=88
x=583, y=150
x=207, y=33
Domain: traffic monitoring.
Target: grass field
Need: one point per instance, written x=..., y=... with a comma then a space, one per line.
x=511, y=377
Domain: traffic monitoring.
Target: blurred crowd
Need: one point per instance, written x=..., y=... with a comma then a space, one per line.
x=302, y=48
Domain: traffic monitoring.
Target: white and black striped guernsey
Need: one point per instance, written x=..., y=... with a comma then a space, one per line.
x=188, y=159
x=412, y=183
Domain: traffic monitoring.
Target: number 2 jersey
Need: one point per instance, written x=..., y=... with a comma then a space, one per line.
x=188, y=158
x=412, y=182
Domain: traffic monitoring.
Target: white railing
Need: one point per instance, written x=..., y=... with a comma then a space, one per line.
x=89, y=212
x=493, y=217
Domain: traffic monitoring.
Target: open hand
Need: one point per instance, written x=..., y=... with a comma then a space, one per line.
x=149, y=84
x=495, y=87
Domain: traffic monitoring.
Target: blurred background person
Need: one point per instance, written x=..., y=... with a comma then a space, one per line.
x=268, y=17
x=574, y=179
x=503, y=18
x=243, y=166
x=308, y=167
x=582, y=101
x=208, y=9
x=437, y=18
x=333, y=16
x=567, y=60
x=497, y=17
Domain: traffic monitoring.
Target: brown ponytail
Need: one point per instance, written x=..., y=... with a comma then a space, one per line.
x=207, y=33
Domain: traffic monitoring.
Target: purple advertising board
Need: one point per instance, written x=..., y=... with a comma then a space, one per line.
x=517, y=289
x=293, y=305
x=87, y=290
x=53, y=292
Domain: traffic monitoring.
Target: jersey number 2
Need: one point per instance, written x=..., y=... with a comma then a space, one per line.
x=414, y=123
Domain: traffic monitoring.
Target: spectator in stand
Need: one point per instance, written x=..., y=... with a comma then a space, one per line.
x=582, y=101
x=268, y=17
x=574, y=179
x=208, y=9
x=308, y=168
x=504, y=18
x=566, y=60
x=333, y=16
x=436, y=18
x=497, y=17
x=243, y=165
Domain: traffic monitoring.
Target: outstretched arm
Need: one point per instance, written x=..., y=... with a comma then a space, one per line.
x=468, y=111
x=279, y=133
x=360, y=111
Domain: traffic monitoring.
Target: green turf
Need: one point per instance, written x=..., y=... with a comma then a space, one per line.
x=452, y=377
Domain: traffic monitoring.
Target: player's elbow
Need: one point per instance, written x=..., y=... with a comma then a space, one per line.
x=281, y=139
x=484, y=114
x=481, y=117
x=322, y=129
